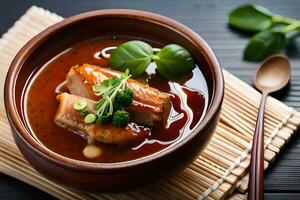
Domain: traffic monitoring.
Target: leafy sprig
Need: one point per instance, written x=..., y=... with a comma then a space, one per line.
x=115, y=96
x=172, y=60
x=273, y=32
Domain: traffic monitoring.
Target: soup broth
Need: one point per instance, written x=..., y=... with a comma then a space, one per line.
x=189, y=102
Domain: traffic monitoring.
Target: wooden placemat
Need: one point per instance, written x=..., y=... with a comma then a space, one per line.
x=222, y=166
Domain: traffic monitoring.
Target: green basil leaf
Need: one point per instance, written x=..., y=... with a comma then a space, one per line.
x=264, y=44
x=133, y=55
x=173, y=61
x=291, y=36
x=251, y=18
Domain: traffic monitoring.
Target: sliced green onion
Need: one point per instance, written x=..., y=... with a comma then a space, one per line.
x=80, y=105
x=90, y=118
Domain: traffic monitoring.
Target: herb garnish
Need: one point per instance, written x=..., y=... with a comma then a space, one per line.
x=172, y=60
x=133, y=55
x=115, y=96
x=120, y=118
x=273, y=32
x=110, y=89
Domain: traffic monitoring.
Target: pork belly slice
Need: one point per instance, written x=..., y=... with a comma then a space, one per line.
x=71, y=119
x=150, y=106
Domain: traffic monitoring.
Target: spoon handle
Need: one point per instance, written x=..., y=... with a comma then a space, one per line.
x=256, y=170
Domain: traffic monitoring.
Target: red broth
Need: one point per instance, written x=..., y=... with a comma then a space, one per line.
x=189, y=103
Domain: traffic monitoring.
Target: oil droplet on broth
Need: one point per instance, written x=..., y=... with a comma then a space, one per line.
x=91, y=151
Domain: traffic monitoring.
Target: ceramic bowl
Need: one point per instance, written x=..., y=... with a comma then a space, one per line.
x=111, y=177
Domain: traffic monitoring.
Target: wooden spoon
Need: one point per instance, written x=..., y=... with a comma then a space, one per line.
x=273, y=74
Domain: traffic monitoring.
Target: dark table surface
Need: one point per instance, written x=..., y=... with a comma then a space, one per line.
x=209, y=19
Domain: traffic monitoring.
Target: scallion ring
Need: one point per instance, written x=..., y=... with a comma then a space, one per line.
x=90, y=118
x=80, y=105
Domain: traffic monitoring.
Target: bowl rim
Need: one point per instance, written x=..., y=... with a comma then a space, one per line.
x=44, y=152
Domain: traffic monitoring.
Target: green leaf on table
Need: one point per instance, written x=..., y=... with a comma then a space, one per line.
x=291, y=36
x=264, y=44
x=250, y=18
x=173, y=61
x=133, y=55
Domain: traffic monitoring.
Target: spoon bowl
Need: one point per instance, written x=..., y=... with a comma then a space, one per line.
x=273, y=74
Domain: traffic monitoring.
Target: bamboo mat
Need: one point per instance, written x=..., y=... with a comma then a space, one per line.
x=219, y=170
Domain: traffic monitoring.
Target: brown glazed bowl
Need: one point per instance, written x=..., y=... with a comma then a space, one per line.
x=123, y=176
